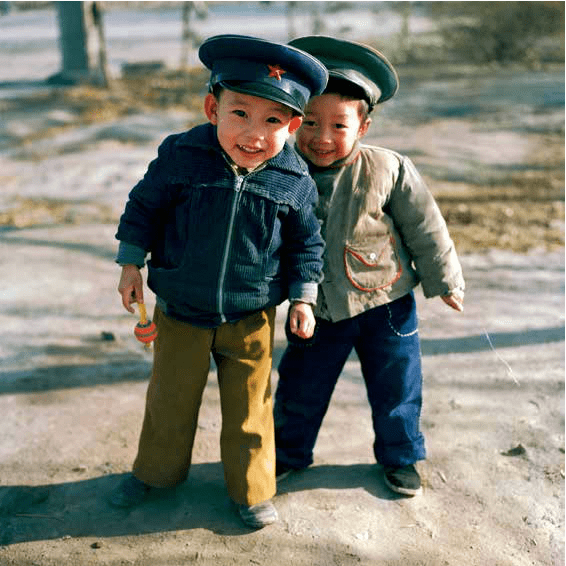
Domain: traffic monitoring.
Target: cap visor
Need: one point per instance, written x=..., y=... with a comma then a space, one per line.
x=264, y=91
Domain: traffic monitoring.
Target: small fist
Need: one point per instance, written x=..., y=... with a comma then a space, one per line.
x=455, y=300
x=301, y=320
x=131, y=287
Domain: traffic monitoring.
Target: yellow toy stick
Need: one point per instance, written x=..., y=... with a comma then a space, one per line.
x=143, y=313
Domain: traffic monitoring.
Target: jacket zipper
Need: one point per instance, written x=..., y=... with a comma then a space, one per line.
x=220, y=297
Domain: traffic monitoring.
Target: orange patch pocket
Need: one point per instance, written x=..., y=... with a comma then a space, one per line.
x=372, y=267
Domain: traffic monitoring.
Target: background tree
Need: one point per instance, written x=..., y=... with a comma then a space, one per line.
x=82, y=43
x=405, y=52
x=501, y=32
x=190, y=38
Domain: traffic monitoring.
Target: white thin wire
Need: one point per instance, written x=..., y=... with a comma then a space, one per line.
x=509, y=369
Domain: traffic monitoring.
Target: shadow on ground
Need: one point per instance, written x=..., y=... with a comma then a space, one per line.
x=81, y=509
x=481, y=342
x=101, y=251
x=89, y=375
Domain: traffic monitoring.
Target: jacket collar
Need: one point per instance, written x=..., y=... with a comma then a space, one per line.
x=205, y=137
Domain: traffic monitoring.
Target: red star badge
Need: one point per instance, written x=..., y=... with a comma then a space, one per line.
x=275, y=71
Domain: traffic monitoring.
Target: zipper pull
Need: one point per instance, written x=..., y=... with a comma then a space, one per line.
x=239, y=183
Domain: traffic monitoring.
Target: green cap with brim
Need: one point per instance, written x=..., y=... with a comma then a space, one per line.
x=355, y=63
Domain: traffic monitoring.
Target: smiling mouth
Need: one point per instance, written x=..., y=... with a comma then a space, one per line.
x=322, y=152
x=250, y=150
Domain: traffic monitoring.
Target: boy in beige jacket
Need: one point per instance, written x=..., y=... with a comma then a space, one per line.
x=384, y=235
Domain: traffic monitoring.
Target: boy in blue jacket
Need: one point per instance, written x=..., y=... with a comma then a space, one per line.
x=226, y=211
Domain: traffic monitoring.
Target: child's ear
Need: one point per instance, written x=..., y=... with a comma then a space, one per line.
x=364, y=128
x=295, y=124
x=210, y=108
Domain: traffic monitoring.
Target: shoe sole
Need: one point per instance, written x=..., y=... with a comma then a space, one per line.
x=403, y=490
x=256, y=523
x=259, y=524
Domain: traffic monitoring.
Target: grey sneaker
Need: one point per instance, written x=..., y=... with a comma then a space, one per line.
x=130, y=492
x=404, y=480
x=259, y=515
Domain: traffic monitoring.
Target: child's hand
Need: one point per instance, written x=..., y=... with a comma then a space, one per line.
x=301, y=320
x=455, y=300
x=131, y=286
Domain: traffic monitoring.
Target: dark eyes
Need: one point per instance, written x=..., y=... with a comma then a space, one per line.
x=270, y=120
x=312, y=124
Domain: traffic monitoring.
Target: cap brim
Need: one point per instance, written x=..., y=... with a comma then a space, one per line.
x=340, y=55
x=264, y=91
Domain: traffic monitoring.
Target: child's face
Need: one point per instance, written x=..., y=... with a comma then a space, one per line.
x=251, y=130
x=330, y=128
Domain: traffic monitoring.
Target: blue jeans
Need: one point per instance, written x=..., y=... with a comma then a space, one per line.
x=387, y=344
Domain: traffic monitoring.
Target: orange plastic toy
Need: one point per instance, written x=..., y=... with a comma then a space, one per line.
x=145, y=330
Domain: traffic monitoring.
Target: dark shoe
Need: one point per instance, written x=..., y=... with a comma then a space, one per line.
x=404, y=480
x=259, y=515
x=129, y=493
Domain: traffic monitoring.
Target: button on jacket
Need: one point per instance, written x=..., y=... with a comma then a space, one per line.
x=222, y=244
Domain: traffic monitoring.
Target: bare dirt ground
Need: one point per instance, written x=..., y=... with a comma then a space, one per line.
x=73, y=378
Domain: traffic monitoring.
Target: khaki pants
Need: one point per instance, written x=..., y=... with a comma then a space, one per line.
x=243, y=355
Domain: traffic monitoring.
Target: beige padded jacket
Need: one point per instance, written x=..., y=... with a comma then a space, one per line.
x=384, y=234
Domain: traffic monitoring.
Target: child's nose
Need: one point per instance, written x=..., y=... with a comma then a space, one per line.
x=256, y=132
x=323, y=134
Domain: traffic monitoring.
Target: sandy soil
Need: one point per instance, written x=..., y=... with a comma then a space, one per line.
x=73, y=378
x=72, y=403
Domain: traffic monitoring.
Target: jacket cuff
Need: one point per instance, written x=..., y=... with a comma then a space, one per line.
x=442, y=288
x=130, y=254
x=304, y=292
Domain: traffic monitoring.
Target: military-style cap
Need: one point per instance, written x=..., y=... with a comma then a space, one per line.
x=263, y=68
x=353, y=62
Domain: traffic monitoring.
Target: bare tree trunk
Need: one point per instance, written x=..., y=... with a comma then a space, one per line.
x=290, y=12
x=405, y=31
x=81, y=45
x=404, y=35
x=191, y=11
x=75, y=60
x=317, y=22
x=186, y=37
x=98, y=20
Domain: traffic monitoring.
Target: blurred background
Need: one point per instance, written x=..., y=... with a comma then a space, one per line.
x=118, y=33
x=87, y=92
x=480, y=107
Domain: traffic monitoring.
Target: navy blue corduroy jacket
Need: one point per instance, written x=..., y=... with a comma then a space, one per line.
x=224, y=245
